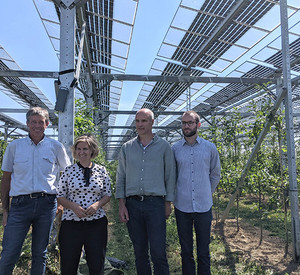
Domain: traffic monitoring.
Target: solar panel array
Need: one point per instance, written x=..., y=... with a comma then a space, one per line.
x=208, y=38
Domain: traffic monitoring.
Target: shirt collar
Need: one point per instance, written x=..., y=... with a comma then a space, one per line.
x=184, y=142
x=155, y=137
x=31, y=141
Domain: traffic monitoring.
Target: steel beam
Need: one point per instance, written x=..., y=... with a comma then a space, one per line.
x=31, y=74
x=181, y=78
x=143, y=78
x=293, y=190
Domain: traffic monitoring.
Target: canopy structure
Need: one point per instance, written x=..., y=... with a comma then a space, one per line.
x=214, y=55
x=217, y=52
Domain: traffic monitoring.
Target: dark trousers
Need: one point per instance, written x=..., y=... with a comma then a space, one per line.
x=202, y=224
x=25, y=212
x=92, y=235
x=147, y=226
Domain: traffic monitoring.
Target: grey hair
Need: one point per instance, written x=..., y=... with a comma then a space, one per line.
x=37, y=111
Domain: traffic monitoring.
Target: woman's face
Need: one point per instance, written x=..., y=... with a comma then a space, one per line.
x=83, y=151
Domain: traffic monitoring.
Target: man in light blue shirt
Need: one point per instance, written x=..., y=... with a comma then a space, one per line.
x=30, y=167
x=198, y=174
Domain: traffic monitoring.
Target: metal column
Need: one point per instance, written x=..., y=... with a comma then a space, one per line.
x=67, y=62
x=293, y=191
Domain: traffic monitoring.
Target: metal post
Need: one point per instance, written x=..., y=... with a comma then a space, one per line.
x=188, y=98
x=89, y=93
x=5, y=133
x=293, y=191
x=67, y=62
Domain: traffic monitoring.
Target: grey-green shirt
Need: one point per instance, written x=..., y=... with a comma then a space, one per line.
x=149, y=171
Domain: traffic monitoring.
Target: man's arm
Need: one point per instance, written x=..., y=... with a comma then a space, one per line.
x=215, y=169
x=5, y=188
x=170, y=174
x=121, y=175
x=63, y=158
x=63, y=161
x=168, y=209
x=123, y=212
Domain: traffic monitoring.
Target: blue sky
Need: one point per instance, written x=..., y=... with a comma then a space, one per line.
x=23, y=36
x=152, y=22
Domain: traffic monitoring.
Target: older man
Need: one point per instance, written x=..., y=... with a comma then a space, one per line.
x=30, y=167
x=198, y=171
x=145, y=188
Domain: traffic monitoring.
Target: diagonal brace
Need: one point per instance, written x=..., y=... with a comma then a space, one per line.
x=260, y=139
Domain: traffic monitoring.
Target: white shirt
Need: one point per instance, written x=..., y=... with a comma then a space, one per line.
x=35, y=168
x=198, y=174
x=72, y=186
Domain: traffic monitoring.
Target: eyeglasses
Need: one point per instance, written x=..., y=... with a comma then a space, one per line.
x=189, y=123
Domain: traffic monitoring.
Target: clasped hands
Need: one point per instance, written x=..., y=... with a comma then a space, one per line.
x=82, y=212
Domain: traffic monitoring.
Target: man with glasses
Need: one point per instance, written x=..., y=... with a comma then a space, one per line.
x=198, y=174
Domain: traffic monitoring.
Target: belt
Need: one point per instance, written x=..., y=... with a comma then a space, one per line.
x=35, y=195
x=141, y=197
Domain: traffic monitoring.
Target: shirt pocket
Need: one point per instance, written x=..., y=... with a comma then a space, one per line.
x=21, y=165
x=48, y=164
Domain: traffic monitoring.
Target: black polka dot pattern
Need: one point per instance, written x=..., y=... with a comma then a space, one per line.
x=72, y=186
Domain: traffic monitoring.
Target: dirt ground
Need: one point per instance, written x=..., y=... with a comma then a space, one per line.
x=270, y=254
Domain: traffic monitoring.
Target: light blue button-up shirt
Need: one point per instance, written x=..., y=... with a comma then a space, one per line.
x=198, y=174
x=35, y=168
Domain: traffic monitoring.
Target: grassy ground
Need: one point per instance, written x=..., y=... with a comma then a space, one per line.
x=223, y=260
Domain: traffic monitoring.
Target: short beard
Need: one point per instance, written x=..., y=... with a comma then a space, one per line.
x=190, y=134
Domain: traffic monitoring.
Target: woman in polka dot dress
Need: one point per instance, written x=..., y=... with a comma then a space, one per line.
x=83, y=189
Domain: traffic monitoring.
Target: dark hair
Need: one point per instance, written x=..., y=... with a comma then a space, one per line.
x=194, y=114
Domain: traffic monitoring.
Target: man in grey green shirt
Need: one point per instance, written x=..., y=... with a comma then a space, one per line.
x=145, y=188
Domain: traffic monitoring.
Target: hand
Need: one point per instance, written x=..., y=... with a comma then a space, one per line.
x=92, y=209
x=4, y=217
x=79, y=211
x=59, y=208
x=123, y=212
x=168, y=209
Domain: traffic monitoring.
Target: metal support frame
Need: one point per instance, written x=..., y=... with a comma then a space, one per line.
x=188, y=98
x=181, y=78
x=254, y=152
x=67, y=62
x=85, y=48
x=286, y=94
x=293, y=190
x=82, y=39
x=143, y=78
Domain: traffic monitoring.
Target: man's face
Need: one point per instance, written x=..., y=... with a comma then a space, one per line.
x=189, y=125
x=37, y=125
x=143, y=123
